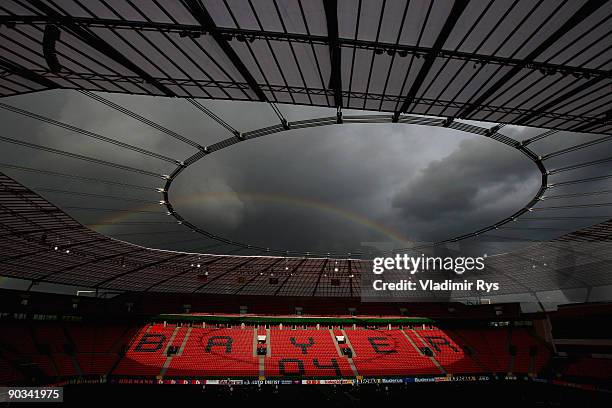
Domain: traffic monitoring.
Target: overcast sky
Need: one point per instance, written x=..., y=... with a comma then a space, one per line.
x=330, y=188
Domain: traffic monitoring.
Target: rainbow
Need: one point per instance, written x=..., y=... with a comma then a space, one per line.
x=318, y=205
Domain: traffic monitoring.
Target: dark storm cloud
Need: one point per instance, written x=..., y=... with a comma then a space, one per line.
x=327, y=188
x=352, y=168
x=478, y=174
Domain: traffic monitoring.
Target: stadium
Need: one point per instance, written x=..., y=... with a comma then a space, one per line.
x=298, y=202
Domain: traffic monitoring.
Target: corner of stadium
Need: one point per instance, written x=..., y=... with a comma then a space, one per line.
x=133, y=270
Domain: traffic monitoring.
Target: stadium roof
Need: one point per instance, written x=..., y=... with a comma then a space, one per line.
x=542, y=64
x=537, y=64
x=39, y=242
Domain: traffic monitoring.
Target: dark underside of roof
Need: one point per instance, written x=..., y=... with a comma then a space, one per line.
x=41, y=243
x=533, y=63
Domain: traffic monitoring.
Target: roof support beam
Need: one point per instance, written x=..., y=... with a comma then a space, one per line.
x=151, y=26
x=102, y=46
x=451, y=21
x=605, y=119
x=184, y=272
x=585, y=11
x=21, y=233
x=88, y=262
x=199, y=12
x=282, y=285
x=140, y=268
x=233, y=268
x=27, y=74
x=46, y=250
x=350, y=276
x=314, y=292
x=255, y=275
x=335, y=53
x=560, y=99
x=50, y=37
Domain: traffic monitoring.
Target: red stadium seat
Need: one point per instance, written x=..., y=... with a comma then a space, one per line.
x=146, y=355
x=216, y=353
x=448, y=352
x=387, y=353
x=309, y=353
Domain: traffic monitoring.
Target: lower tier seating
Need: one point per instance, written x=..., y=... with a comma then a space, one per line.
x=449, y=352
x=147, y=355
x=388, y=352
x=216, y=353
x=65, y=350
x=305, y=353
